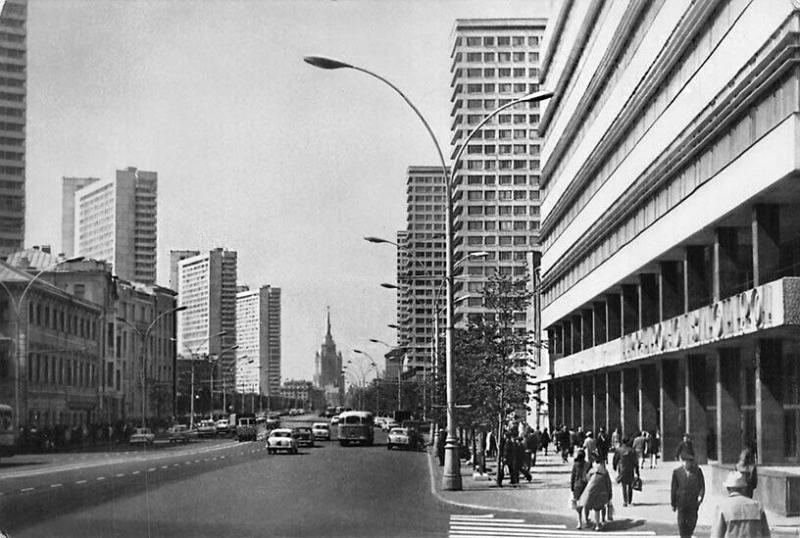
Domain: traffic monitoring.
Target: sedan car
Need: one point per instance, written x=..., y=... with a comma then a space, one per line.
x=180, y=433
x=321, y=431
x=142, y=436
x=207, y=428
x=223, y=428
x=405, y=438
x=281, y=439
x=304, y=436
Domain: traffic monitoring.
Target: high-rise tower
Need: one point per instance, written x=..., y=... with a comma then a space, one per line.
x=328, y=368
x=495, y=61
x=258, y=334
x=13, y=79
x=68, y=188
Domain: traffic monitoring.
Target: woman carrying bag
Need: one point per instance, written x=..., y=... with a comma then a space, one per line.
x=578, y=481
x=597, y=493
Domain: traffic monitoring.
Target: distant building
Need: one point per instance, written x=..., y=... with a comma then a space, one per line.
x=299, y=393
x=258, y=334
x=328, y=368
x=116, y=221
x=207, y=287
x=176, y=256
x=69, y=185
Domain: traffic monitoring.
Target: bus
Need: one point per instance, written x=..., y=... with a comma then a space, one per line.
x=356, y=427
x=8, y=434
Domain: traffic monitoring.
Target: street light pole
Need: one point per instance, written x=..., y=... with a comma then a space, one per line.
x=192, y=353
x=451, y=477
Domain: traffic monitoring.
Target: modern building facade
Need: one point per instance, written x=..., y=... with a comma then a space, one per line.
x=669, y=284
x=258, y=334
x=174, y=257
x=69, y=185
x=496, y=183
x=328, y=364
x=207, y=287
x=116, y=220
x=13, y=84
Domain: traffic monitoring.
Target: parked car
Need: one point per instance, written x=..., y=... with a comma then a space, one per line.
x=142, y=436
x=405, y=438
x=207, y=428
x=222, y=426
x=321, y=431
x=304, y=436
x=180, y=433
x=281, y=439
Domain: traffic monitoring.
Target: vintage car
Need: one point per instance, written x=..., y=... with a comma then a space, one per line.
x=281, y=440
x=405, y=438
x=180, y=433
x=142, y=436
x=321, y=431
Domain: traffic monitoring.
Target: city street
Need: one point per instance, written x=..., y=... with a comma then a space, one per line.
x=223, y=488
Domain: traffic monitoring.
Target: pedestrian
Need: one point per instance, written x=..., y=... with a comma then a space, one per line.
x=440, y=442
x=573, y=440
x=685, y=448
x=491, y=443
x=653, y=448
x=545, y=440
x=738, y=515
x=627, y=466
x=616, y=440
x=523, y=458
x=510, y=457
x=564, y=443
x=532, y=440
x=580, y=437
x=597, y=493
x=747, y=466
x=577, y=483
x=589, y=445
x=603, y=443
x=686, y=493
x=638, y=446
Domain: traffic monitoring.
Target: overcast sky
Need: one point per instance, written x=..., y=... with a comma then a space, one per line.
x=255, y=151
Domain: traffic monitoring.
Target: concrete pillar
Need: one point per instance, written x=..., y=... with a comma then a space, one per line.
x=769, y=404
x=599, y=322
x=613, y=317
x=587, y=416
x=630, y=308
x=601, y=401
x=577, y=405
x=671, y=423
x=725, y=263
x=696, y=397
x=648, y=299
x=766, y=231
x=670, y=290
x=729, y=433
x=566, y=401
x=613, y=393
x=696, y=277
x=587, y=329
x=648, y=397
x=630, y=401
x=567, y=325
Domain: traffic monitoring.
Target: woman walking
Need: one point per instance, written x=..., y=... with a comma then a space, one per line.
x=577, y=483
x=748, y=467
x=597, y=493
x=653, y=448
x=627, y=465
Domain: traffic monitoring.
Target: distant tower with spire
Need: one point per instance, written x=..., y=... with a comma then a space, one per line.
x=328, y=368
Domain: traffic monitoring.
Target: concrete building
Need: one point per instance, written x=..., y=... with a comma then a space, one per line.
x=494, y=61
x=302, y=394
x=420, y=266
x=328, y=369
x=207, y=287
x=669, y=284
x=258, y=334
x=69, y=185
x=13, y=82
x=115, y=220
x=174, y=257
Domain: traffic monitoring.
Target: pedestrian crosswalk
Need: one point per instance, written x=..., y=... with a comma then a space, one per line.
x=486, y=525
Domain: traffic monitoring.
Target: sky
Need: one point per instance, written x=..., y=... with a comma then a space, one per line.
x=256, y=151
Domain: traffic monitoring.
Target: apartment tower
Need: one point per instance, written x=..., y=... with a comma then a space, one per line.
x=69, y=185
x=115, y=221
x=13, y=79
x=258, y=334
x=496, y=182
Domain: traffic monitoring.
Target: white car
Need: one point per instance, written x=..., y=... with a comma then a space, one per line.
x=222, y=426
x=142, y=436
x=388, y=425
x=405, y=438
x=281, y=439
x=321, y=431
x=334, y=420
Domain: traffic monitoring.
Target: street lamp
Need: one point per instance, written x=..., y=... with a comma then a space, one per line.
x=17, y=305
x=211, y=392
x=192, y=353
x=143, y=350
x=451, y=477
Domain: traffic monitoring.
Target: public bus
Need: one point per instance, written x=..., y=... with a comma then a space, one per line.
x=356, y=427
x=8, y=434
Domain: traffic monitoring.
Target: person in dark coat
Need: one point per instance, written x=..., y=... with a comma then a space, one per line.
x=510, y=457
x=564, y=443
x=440, y=441
x=603, y=443
x=685, y=448
x=577, y=483
x=748, y=467
x=627, y=466
x=532, y=440
x=523, y=459
x=545, y=440
x=687, y=491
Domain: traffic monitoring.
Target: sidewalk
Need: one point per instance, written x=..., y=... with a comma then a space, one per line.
x=549, y=492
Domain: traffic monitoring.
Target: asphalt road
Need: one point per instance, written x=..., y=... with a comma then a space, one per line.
x=228, y=489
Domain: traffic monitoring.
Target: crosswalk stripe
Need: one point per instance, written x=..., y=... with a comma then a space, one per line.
x=487, y=526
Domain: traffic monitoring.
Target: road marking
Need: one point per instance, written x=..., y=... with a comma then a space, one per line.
x=81, y=482
x=486, y=525
x=101, y=478
x=176, y=464
x=222, y=457
x=23, y=490
x=56, y=485
x=136, y=472
x=151, y=469
x=118, y=475
x=165, y=466
x=197, y=461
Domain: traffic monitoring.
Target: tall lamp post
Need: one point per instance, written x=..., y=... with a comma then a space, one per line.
x=143, y=336
x=16, y=304
x=192, y=352
x=211, y=392
x=451, y=477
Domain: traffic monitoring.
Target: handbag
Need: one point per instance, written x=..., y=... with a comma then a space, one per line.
x=610, y=511
x=637, y=484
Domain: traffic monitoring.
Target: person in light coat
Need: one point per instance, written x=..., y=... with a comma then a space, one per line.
x=739, y=516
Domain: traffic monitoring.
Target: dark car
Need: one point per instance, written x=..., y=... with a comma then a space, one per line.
x=304, y=436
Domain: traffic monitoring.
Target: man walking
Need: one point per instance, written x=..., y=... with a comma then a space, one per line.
x=739, y=515
x=686, y=492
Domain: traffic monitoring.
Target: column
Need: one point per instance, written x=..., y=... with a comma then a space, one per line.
x=696, y=386
x=671, y=423
x=769, y=405
x=587, y=415
x=613, y=400
x=629, y=394
x=649, y=313
x=648, y=397
x=766, y=242
x=553, y=407
x=567, y=326
x=599, y=322
x=577, y=333
x=697, y=282
x=729, y=435
x=670, y=290
x=587, y=329
x=577, y=401
x=601, y=400
x=725, y=276
x=630, y=308
x=613, y=316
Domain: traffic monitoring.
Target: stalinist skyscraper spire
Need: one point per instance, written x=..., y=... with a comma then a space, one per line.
x=328, y=367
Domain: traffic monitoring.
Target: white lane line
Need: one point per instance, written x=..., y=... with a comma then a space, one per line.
x=151, y=469
x=188, y=463
x=56, y=485
x=136, y=472
x=165, y=466
x=470, y=518
x=118, y=475
x=81, y=482
x=197, y=461
x=176, y=464
x=23, y=490
x=222, y=457
x=100, y=478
